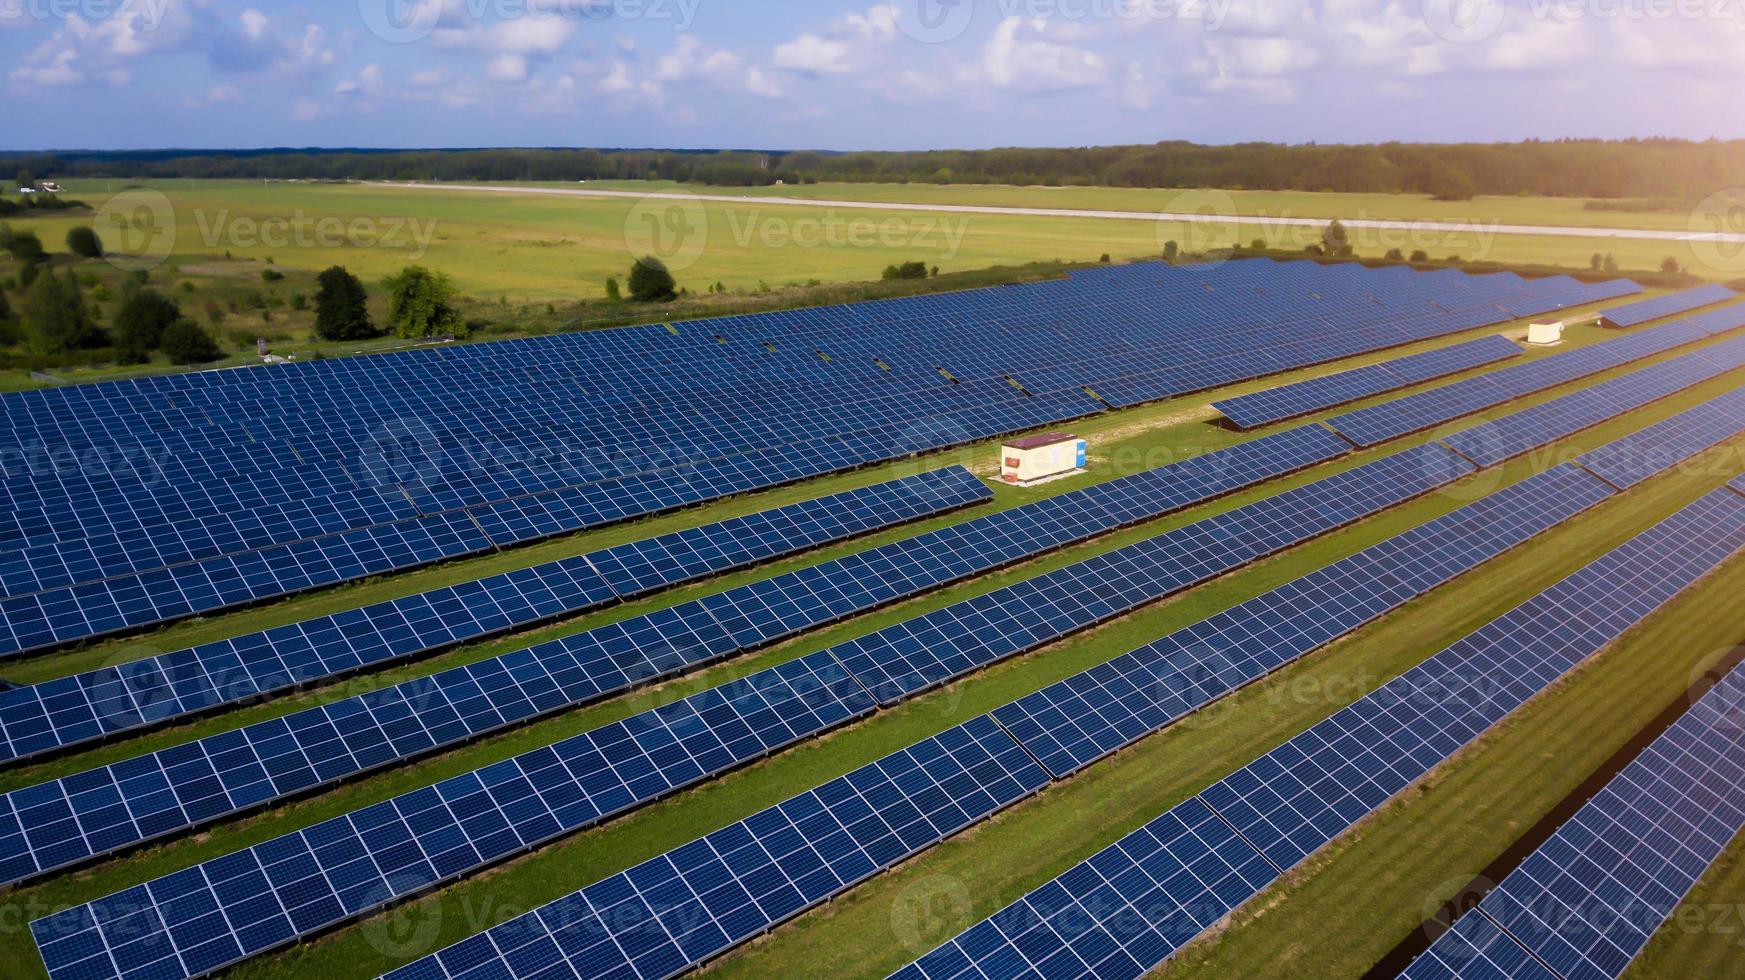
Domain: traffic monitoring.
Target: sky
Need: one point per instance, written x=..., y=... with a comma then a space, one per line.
x=859, y=74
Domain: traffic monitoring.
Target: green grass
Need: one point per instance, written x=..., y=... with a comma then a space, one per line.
x=475, y=903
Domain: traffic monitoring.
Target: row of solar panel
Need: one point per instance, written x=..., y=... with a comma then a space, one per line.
x=1554, y=496
x=1642, y=311
x=92, y=813
x=1586, y=902
x=70, y=710
x=694, y=912
x=106, y=701
x=589, y=504
x=1303, y=397
x=1128, y=908
x=1494, y=442
x=1414, y=413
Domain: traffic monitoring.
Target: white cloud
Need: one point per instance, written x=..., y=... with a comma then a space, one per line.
x=367, y=85
x=811, y=53
x=759, y=82
x=1019, y=56
x=691, y=60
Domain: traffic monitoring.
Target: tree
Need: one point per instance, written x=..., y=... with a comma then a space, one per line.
x=340, y=309
x=140, y=325
x=908, y=270
x=420, y=304
x=650, y=282
x=1419, y=256
x=23, y=246
x=186, y=342
x=612, y=292
x=1597, y=263
x=1335, y=241
x=1258, y=245
x=1611, y=262
x=55, y=320
x=83, y=242
x=1395, y=255
x=1451, y=184
x=1171, y=250
x=1669, y=265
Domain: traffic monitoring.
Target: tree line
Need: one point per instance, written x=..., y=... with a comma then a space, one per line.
x=1680, y=170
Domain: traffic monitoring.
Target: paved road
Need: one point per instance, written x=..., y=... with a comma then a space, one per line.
x=1648, y=234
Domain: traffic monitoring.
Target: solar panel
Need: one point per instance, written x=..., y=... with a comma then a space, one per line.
x=1494, y=442
x=1587, y=901
x=647, y=921
x=1294, y=799
x=1642, y=311
x=71, y=710
x=1314, y=394
x=1414, y=413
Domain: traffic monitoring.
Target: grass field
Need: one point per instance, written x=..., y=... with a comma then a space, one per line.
x=537, y=248
x=1388, y=876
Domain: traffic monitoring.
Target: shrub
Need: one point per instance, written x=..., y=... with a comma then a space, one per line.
x=1419, y=255
x=650, y=282
x=271, y=275
x=907, y=270
x=83, y=242
x=186, y=342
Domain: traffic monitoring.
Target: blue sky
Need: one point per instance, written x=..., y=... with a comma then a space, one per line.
x=846, y=74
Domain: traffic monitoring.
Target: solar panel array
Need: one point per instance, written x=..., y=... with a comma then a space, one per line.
x=1491, y=443
x=550, y=940
x=70, y=710
x=69, y=820
x=1642, y=311
x=1587, y=901
x=649, y=755
x=1126, y=909
x=1312, y=395
x=1414, y=413
x=169, y=496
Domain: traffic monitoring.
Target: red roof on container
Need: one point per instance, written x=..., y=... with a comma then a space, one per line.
x=1045, y=439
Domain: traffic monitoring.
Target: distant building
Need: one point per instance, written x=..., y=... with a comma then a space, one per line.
x=1034, y=459
x=49, y=186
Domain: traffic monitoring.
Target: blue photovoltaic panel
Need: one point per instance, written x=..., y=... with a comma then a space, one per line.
x=1494, y=442
x=1076, y=721
x=1112, y=916
x=1588, y=900
x=1314, y=394
x=1475, y=947
x=1642, y=311
x=657, y=917
x=1720, y=321
x=70, y=710
x=1413, y=413
x=189, y=481
x=1654, y=450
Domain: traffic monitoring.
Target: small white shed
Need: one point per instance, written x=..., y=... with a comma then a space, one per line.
x=1545, y=334
x=1044, y=457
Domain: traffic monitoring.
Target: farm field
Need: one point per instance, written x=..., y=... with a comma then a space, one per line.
x=536, y=248
x=1384, y=879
